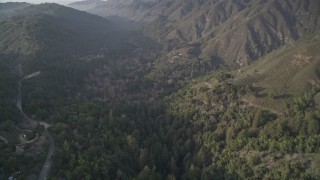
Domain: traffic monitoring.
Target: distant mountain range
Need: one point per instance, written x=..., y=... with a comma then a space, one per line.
x=236, y=31
x=87, y=5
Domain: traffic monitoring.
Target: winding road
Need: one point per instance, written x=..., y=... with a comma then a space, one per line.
x=48, y=162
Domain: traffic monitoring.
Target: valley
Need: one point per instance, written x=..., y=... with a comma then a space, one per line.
x=149, y=89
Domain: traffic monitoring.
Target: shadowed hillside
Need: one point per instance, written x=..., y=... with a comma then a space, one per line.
x=54, y=27
x=66, y=47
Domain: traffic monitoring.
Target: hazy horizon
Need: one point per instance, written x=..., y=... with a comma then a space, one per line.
x=63, y=2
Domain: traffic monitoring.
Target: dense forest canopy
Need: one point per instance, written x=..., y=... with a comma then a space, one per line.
x=169, y=90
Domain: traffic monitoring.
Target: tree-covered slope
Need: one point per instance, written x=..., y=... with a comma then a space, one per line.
x=53, y=27
x=8, y=9
x=235, y=31
x=66, y=47
x=119, y=109
x=63, y=43
x=208, y=129
x=283, y=74
x=261, y=121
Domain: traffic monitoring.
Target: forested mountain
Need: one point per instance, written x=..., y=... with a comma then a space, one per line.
x=52, y=26
x=53, y=38
x=150, y=89
x=255, y=121
x=234, y=31
x=66, y=46
x=11, y=8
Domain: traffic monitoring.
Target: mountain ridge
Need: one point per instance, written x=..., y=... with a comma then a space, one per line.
x=34, y=23
x=248, y=28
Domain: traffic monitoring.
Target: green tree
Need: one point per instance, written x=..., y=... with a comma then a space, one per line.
x=271, y=94
x=230, y=134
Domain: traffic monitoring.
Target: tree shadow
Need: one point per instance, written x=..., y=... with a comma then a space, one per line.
x=261, y=95
x=283, y=96
x=259, y=92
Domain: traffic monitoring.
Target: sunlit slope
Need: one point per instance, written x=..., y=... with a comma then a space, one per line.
x=235, y=31
x=284, y=74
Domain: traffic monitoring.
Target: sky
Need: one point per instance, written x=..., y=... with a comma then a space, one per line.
x=64, y=2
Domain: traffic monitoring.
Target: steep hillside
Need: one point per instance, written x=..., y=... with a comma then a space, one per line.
x=235, y=31
x=55, y=39
x=8, y=9
x=284, y=74
x=66, y=45
x=260, y=28
x=118, y=108
x=70, y=50
x=53, y=27
x=261, y=121
x=238, y=31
